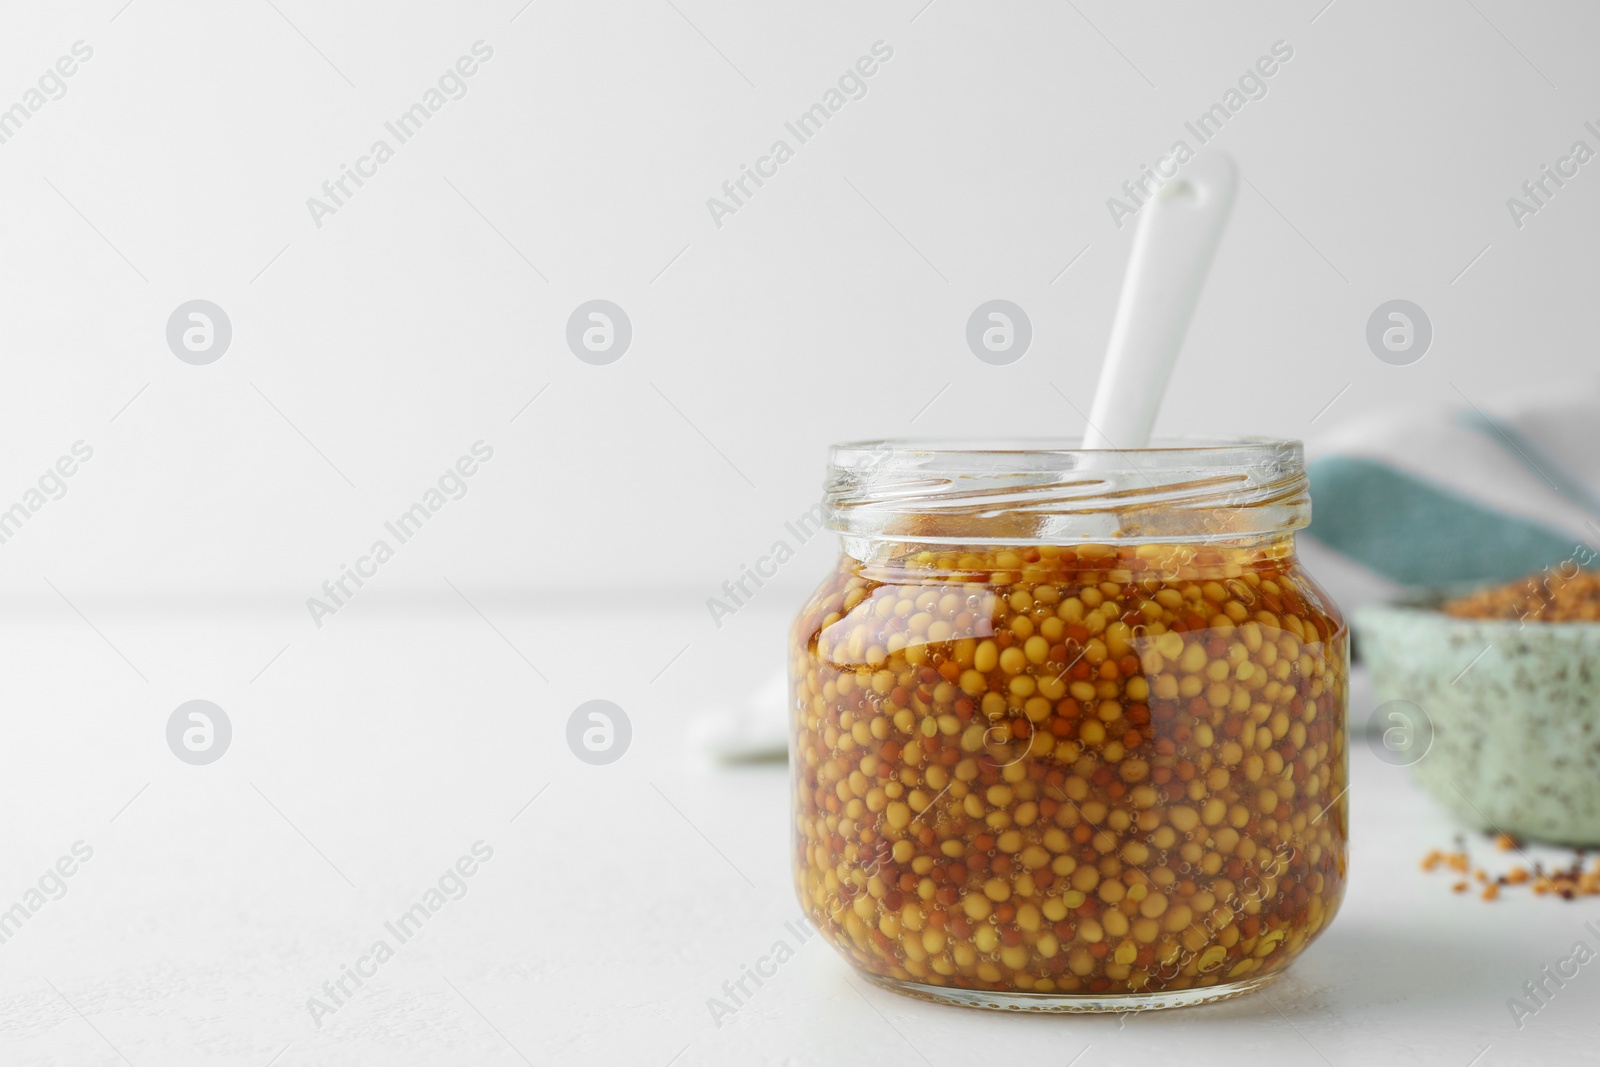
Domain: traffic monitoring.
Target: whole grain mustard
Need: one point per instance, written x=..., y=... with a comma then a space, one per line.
x=1084, y=770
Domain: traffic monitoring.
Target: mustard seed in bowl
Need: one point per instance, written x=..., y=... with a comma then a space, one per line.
x=1557, y=597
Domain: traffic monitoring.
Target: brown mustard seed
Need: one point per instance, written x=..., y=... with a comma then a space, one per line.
x=1568, y=883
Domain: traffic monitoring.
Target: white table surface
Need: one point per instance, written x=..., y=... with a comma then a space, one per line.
x=374, y=752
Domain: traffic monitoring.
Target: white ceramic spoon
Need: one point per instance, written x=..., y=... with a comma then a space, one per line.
x=1178, y=232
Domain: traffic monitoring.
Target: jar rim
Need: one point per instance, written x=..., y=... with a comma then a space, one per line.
x=1042, y=490
x=1213, y=449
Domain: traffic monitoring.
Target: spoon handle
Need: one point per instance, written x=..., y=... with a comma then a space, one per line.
x=1178, y=232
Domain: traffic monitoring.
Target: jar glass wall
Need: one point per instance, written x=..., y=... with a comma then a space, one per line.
x=1069, y=727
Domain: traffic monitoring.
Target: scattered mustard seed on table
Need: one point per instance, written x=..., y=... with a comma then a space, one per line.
x=1568, y=883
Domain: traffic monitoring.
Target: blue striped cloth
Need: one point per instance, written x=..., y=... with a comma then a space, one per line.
x=1412, y=499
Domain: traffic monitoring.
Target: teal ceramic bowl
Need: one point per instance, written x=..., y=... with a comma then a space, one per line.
x=1498, y=719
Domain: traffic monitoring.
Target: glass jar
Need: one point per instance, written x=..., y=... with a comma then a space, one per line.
x=1069, y=726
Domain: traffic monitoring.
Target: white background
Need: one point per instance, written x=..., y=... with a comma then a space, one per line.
x=405, y=328
x=372, y=351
